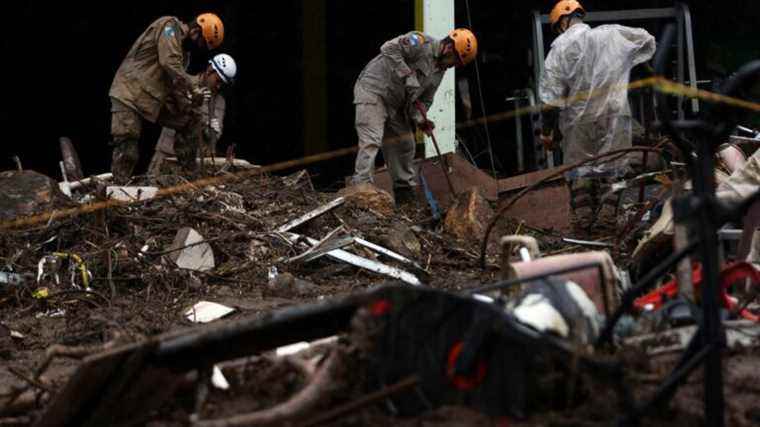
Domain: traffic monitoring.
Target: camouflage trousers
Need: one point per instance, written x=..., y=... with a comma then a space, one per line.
x=126, y=129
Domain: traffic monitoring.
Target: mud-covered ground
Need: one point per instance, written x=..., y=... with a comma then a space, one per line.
x=150, y=295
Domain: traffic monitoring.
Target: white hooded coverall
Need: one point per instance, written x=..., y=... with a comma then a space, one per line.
x=586, y=75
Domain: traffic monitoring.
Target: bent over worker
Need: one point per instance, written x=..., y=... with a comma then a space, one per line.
x=402, y=78
x=585, y=86
x=152, y=85
x=221, y=72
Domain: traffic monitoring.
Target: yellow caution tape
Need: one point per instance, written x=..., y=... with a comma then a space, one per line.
x=660, y=83
x=41, y=293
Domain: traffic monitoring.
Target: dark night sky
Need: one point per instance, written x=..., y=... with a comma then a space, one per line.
x=61, y=57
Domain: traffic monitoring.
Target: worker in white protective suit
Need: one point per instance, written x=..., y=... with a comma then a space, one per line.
x=585, y=91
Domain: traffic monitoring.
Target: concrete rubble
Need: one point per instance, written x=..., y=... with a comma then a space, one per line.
x=190, y=251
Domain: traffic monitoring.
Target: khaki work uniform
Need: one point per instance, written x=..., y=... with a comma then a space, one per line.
x=151, y=84
x=215, y=109
x=384, y=94
x=586, y=74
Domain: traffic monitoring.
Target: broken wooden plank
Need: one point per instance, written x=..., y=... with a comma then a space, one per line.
x=534, y=210
x=361, y=262
x=464, y=175
x=520, y=182
x=311, y=215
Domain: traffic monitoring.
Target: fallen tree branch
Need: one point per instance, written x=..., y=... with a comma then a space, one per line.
x=31, y=381
x=319, y=389
x=22, y=403
x=363, y=401
x=15, y=422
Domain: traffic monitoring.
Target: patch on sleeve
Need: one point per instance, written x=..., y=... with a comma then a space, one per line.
x=415, y=39
x=169, y=31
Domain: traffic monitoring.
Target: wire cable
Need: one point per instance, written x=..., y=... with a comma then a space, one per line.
x=483, y=104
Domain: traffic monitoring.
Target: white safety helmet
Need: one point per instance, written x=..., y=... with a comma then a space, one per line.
x=225, y=67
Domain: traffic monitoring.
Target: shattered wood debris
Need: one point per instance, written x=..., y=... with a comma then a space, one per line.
x=233, y=255
x=159, y=266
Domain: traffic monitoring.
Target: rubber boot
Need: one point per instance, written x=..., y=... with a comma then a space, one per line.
x=583, y=206
x=123, y=161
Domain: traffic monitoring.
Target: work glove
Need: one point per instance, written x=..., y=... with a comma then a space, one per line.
x=199, y=95
x=426, y=126
x=547, y=140
x=206, y=94
x=550, y=140
x=419, y=115
x=216, y=126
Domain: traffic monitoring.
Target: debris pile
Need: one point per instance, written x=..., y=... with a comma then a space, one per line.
x=157, y=264
x=257, y=300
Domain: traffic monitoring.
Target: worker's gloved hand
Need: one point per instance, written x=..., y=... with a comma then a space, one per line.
x=426, y=126
x=206, y=94
x=216, y=126
x=547, y=141
x=199, y=95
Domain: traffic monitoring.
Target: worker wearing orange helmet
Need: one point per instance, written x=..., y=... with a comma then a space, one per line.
x=584, y=89
x=152, y=85
x=402, y=78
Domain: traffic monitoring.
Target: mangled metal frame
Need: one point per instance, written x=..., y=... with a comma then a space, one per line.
x=706, y=214
x=122, y=386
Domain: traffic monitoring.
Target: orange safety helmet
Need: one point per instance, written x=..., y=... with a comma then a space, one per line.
x=212, y=29
x=465, y=44
x=564, y=8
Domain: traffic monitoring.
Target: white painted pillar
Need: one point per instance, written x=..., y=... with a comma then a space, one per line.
x=437, y=21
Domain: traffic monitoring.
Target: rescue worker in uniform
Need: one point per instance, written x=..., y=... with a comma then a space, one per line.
x=585, y=88
x=152, y=85
x=389, y=91
x=221, y=72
